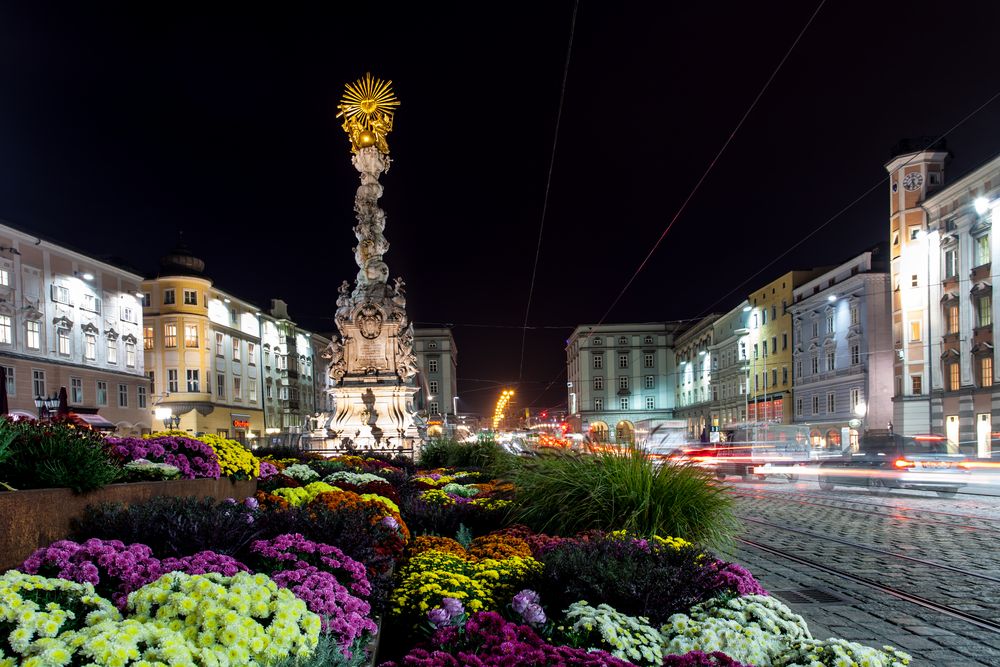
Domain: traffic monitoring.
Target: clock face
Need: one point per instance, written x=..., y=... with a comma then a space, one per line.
x=913, y=181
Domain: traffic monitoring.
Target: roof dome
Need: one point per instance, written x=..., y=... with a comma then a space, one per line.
x=181, y=262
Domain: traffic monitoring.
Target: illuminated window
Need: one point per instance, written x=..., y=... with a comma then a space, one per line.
x=192, y=380
x=982, y=250
x=598, y=383
x=953, y=377
x=63, y=339
x=147, y=338
x=984, y=311
x=598, y=403
x=130, y=355
x=4, y=277
x=34, y=339
x=190, y=335
x=102, y=392
x=170, y=334
x=76, y=390
x=915, y=330
x=917, y=383
x=986, y=371
x=953, y=319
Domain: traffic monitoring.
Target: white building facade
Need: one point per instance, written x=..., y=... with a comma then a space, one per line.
x=437, y=361
x=693, y=381
x=730, y=369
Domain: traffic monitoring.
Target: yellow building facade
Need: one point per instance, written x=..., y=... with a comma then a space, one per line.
x=202, y=353
x=769, y=348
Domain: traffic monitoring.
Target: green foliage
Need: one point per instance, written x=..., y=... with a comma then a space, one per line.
x=54, y=454
x=485, y=453
x=463, y=536
x=328, y=654
x=565, y=493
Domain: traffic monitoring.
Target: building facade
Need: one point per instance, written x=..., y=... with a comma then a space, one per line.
x=914, y=270
x=843, y=356
x=693, y=359
x=770, y=348
x=729, y=366
x=437, y=361
x=954, y=393
x=202, y=352
x=619, y=375
x=67, y=320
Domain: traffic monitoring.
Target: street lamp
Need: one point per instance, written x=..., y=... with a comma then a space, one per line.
x=454, y=405
x=170, y=420
x=46, y=405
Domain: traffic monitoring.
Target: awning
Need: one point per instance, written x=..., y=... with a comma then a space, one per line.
x=95, y=421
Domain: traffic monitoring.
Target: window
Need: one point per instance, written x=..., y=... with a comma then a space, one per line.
x=170, y=334
x=798, y=407
x=953, y=377
x=251, y=353
x=815, y=365
x=784, y=340
x=168, y=297
x=784, y=375
x=190, y=297
x=598, y=403
x=269, y=392
x=951, y=263
x=102, y=392
x=267, y=356
x=220, y=340
x=831, y=360
x=11, y=384
x=34, y=340
x=432, y=387
x=755, y=351
x=650, y=403
x=598, y=361
x=855, y=316
x=815, y=405
x=190, y=335
x=815, y=329
x=798, y=368
x=236, y=349
x=855, y=399
x=63, y=337
x=598, y=383
x=147, y=338
x=598, y=341
x=763, y=348
x=127, y=314
x=61, y=294
x=622, y=361
x=192, y=380
x=5, y=277
x=433, y=408
x=172, y=385
x=915, y=331
x=650, y=382
x=220, y=385
x=38, y=383
x=432, y=365
x=622, y=340
x=914, y=280
x=895, y=235
x=140, y=395
x=623, y=382
x=647, y=361
x=130, y=355
x=123, y=396
x=432, y=345
x=238, y=389
x=774, y=312
x=76, y=390
x=623, y=403
x=90, y=347
x=829, y=323
x=151, y=376
x=986, y=371
x=982, y=250
x=648, y=340
x=831, y=405
x=6, y=330
x=855, y=355
x=146, y=301
x=112, y=352
x=252, y=392
x=774, y=377
x=984, y=311
x=914, y=233
x=763, y=315
x=952, y=318
x=918, y=384
x=282, y=393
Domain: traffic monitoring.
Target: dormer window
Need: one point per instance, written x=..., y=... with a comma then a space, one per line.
x=622, y=340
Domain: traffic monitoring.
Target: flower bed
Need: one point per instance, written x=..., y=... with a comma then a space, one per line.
x=298, y=573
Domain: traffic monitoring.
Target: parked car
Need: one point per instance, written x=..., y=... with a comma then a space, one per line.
x=887, y=461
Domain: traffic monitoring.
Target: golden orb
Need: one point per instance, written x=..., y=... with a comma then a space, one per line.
x=365, y=139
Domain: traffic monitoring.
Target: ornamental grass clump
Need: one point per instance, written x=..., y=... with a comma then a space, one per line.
x=622, y=489
x=485, y=454
x=55, y=454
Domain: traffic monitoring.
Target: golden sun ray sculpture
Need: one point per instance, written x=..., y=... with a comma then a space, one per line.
x=367, y=106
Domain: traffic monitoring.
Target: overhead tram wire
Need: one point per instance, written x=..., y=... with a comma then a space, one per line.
x=548, y=185
x=857, y=199
x=712, y=164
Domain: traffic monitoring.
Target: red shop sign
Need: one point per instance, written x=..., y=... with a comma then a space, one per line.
x=241, y=423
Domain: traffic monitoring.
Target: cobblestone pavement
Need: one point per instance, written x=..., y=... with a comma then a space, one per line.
x=961, y=532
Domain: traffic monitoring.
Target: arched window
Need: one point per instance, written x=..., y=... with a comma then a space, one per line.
x=625, y=433
x=599, y=432
x=833, y=439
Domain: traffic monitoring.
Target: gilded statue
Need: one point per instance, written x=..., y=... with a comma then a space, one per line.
x=367, y=108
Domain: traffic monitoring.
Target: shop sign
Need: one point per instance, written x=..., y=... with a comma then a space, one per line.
x=241, y=423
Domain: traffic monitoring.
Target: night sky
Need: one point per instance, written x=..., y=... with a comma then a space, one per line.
x=120, y=127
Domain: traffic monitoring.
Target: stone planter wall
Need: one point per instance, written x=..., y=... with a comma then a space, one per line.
x=35, y=518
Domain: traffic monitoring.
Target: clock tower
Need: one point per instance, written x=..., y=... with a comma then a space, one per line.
x=915, y=171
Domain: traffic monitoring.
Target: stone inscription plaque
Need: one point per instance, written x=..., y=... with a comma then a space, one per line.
x=371, y=353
